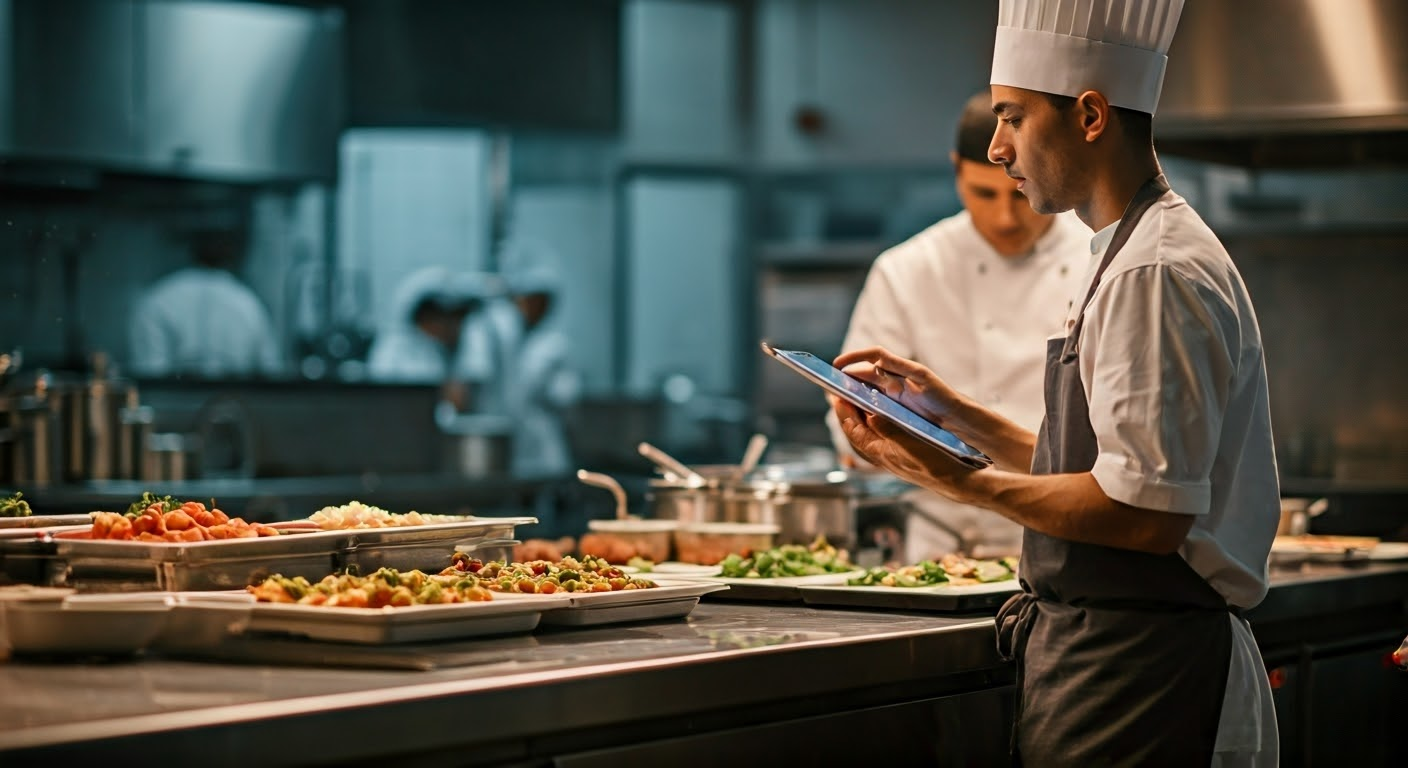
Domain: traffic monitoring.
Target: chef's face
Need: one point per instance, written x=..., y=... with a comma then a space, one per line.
x=1041, y=146
x=999, y=210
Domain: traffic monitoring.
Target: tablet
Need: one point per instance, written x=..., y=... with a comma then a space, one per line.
x=873, y=401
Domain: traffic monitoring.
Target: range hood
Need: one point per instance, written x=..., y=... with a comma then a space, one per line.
x=1288, y=82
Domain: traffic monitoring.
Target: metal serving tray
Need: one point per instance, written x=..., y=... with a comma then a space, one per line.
x=235, y=563
x=936, y=599
x=429, y=547
x=44, y=521
x=198, y=565
x=399, y=625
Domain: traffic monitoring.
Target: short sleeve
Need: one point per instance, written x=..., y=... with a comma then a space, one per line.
x=1155, y=361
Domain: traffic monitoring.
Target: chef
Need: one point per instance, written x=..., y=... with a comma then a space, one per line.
x=204, y=320
x=545, y=384
x=421, y=338
x=1149, y=495
x=973, y=296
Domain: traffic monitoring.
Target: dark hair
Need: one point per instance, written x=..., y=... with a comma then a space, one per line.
x=1138, y=126
x=976, y=126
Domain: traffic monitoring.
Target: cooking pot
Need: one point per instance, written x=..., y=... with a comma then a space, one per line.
x=803, y=506
x=479, y=445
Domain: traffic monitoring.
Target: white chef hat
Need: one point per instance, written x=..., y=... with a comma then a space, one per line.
x=1067, y=47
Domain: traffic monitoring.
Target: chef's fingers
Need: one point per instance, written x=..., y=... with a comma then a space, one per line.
x=858, y=432
x=885, y=360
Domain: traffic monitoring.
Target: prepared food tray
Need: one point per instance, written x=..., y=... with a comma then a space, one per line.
x=508, y=615
x=1322, y=549
x=782, y=590
x=594, y=591
x=390, y=606
x=294, y=551
x=776, y=573
x=937, y=599
x=953, y=583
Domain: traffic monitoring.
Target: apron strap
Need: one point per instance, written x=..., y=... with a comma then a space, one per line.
x=1148, y=194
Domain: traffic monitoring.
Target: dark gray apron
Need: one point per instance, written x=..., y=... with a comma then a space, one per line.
x=1121, y=656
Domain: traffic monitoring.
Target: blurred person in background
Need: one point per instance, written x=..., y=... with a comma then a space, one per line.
x=974, y=297
x=421, y=340
x=544, y=383
x=202, y=319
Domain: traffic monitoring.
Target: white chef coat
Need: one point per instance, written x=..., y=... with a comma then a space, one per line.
x=401, y=352
x=1171, y=360
x=204, y=321
x=979, y=320
x=546, y=385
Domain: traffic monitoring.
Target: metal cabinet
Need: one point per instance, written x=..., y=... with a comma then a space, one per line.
x=226, y=91
x=965, y=730
x=68, y=82
x=240, y=90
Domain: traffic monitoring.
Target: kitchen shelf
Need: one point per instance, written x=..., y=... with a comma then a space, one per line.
x=844, y=254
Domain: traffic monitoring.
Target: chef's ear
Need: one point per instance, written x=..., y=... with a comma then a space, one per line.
x=1093, y=110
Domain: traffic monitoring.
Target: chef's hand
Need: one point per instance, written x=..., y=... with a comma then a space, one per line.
x=885, y=444
x=905, y=381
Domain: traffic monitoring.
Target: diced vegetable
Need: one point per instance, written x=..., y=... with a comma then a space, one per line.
x=787, y=560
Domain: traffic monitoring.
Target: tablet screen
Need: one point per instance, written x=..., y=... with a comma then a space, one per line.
x=873, y=400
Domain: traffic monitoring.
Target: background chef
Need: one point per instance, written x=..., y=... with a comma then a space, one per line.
x=203, y=319
x=973, y=297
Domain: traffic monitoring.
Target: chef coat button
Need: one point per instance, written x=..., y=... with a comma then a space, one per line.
x=987, y=326
x=982, y=269
x=996, y=399
x=1064, y=270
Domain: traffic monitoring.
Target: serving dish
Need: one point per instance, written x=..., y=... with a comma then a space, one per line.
x=786, y=589
x=936, y=599
x=504, y=615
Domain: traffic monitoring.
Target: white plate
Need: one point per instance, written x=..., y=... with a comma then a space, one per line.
x=782, y=589
x=819, y=579
x=666, y=590
x=1390, y=550
x=619, y=614
x=502, y=615
x=671, y=568
x=938, y=598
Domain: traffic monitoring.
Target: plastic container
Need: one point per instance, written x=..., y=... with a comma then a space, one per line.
x=709, y=543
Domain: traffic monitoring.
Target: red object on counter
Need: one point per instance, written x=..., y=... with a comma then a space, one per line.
x=1277, y=678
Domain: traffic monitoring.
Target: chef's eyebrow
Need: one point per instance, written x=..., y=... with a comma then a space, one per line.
x=1002, y=106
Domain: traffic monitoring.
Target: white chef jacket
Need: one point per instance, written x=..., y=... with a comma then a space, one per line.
x=545, y=386
x=401, y=352
x=979, y=320
x=1171, y=360
x=205, y=321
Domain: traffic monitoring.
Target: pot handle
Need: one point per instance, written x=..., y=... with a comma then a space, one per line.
x=670, y=464
x=609, y=483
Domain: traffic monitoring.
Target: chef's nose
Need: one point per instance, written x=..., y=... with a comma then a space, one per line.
x=1000, y=149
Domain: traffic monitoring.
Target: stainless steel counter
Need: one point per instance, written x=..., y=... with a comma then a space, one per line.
x=729, y=665
x=730, y=669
